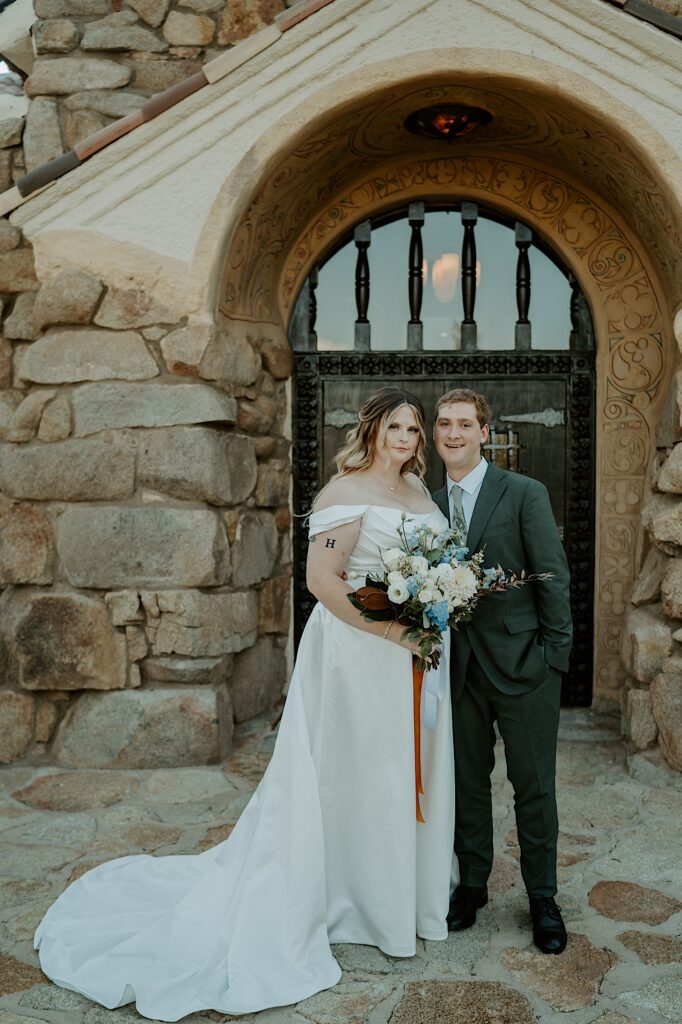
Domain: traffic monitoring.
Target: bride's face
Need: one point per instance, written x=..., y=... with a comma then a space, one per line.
x=401, y=438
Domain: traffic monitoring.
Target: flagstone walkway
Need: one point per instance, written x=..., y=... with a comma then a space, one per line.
x=620, y=856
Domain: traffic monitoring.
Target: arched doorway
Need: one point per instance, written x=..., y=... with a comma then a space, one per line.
x=546, y=167
x=538, y=375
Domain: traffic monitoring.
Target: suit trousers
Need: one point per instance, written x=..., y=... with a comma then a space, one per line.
x=528, y=724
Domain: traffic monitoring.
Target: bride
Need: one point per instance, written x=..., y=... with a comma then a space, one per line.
x=328, y=849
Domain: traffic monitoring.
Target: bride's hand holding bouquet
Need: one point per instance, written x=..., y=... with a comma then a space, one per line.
x=430, y=583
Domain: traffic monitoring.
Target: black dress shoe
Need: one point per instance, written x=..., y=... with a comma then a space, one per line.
x=549, y=931
x=464, y=904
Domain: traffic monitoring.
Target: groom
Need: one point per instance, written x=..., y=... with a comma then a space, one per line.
x=506, y=667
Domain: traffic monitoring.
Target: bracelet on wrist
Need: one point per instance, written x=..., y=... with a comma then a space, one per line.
x=388, y=629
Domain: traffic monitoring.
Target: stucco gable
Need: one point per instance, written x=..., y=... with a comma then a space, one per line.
x=202, y=158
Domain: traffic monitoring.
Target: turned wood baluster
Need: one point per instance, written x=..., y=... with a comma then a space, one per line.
x=522, y=332
x=469, y=218
x=363, y=238
x=581, y=338
x=415, y=327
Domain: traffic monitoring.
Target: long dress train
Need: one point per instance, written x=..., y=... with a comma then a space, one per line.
x=327, y=849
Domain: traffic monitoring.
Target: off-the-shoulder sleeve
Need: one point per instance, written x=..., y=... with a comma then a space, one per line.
x=335, y=515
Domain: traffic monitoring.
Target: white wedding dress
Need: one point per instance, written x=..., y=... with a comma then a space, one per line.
x=327, y=850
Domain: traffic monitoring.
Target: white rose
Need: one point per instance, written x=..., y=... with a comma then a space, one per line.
x=442, y=572
x=398, y=592
x=418, y=564
x=395, y=577
x=463, y=583
x=392, y=556
x=427, y=595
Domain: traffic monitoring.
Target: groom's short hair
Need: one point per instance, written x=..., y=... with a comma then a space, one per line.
x=466, y=395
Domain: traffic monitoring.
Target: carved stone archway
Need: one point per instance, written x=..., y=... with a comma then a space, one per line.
x=547, y=159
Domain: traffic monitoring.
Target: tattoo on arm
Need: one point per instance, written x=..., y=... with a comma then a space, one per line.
x=312, y=540
x=330, y=542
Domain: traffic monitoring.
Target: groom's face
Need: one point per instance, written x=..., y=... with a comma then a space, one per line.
x=459, y=436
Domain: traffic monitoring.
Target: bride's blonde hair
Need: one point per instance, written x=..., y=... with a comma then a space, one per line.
x=369, y=434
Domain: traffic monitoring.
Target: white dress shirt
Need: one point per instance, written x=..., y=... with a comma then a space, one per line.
x=471, y=485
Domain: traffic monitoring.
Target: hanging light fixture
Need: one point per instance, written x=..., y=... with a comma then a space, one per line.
x=447, y=120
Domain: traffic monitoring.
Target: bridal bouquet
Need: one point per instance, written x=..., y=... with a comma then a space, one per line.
x=431, y=582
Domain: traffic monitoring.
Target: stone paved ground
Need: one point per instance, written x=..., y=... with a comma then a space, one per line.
x=620, y=856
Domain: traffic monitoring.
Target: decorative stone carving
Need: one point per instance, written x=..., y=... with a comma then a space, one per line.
x=145, y=547
x=60, y=641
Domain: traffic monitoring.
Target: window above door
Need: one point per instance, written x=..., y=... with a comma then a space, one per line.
x=434, y=278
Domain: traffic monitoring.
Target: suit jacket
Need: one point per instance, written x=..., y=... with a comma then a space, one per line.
x=516, y=635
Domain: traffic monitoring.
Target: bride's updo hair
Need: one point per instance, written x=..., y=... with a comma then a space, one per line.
x=374, y=418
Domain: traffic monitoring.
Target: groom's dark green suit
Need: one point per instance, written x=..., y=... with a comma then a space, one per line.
x=506, y=666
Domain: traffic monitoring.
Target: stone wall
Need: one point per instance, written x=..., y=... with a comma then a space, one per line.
x=144, y=524
x=652, y=633
x=97, y=60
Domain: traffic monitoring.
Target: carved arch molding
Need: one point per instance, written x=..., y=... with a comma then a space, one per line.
x=266, y=267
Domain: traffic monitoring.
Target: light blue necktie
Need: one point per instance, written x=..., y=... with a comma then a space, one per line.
x=458, y=521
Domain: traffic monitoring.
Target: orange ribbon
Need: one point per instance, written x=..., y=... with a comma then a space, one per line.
x=417, y=680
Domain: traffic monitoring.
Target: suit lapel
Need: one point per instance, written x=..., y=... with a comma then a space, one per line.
x=441, y=499
x=493, y=486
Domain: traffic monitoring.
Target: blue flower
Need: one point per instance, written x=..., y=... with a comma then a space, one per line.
x=437, y=614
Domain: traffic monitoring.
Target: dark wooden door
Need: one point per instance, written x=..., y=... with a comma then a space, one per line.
x=547, y=400
x=541, y=390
